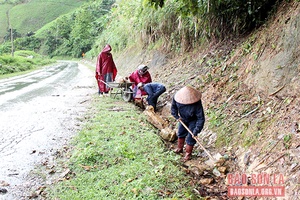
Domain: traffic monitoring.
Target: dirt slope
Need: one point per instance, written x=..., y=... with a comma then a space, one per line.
x=250, y=93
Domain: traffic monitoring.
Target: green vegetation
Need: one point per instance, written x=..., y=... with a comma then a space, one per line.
x=26, y=18
x=22, y=61
x=179, y=26
x=76, y=32
x=32, y=15
x=176, y=26
x=118, y=155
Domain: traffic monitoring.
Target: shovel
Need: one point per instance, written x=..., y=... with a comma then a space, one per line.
x=197, y=140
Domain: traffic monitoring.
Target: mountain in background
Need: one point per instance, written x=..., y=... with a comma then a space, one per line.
x=30, y=16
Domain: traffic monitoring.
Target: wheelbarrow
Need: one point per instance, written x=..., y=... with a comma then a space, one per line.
x=124, y=89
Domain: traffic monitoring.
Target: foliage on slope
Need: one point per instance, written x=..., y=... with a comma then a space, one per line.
x=177, y=26
x=250, y=91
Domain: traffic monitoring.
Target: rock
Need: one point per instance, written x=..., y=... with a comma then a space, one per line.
x=216, y=172
x=220, y=162
x=166, y=111
x=3, y=190
x=215, y=162
x=65, y=173
x=199, y=169
x=293, y=166
x=222, y=169
x=294, y=152
x=3, y=183
x=217, y=156
x=206, y=181
x=168, y=134
x=210, y=163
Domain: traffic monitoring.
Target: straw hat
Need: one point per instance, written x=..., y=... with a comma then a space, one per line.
x=187, y=95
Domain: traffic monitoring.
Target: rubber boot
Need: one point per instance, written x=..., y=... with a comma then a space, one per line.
x=188, y=152
x=180, y=144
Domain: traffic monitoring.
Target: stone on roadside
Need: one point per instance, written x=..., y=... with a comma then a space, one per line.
x=3, y=190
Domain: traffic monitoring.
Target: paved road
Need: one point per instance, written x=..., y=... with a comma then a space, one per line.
x=38, y=114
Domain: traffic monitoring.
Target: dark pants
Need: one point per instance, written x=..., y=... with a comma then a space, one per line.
x=153, y=99
x=182, y=132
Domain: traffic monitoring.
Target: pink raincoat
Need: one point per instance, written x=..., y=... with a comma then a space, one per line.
x=105, y=69
x=136, y=78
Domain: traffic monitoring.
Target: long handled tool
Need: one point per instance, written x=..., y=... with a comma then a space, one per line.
x=197, y=140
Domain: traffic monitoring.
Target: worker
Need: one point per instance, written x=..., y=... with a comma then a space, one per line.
x=153, y=91
x=187, y=106
x=106, y=70
x=141, y=75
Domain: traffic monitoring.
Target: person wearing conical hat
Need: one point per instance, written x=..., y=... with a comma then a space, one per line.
x=187, y=106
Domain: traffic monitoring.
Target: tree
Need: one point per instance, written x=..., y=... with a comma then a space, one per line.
x=81, y=33
x=14, y=32
x=28, y=43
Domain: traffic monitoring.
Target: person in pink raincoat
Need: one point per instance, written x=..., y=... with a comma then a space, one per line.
x=106, y=69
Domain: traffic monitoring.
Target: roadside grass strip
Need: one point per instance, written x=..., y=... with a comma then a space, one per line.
x=118, y=155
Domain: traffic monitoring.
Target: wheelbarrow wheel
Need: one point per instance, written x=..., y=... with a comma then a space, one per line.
x=127, y=95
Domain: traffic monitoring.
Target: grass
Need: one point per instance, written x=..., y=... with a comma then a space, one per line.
x=21, y=62
x=118, y=155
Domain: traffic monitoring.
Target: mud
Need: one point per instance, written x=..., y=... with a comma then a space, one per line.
x=39, y=113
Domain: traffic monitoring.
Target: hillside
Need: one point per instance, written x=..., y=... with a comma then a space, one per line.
x=41, y=13
x=250, y=89
x=250, y=93
x=3, y=19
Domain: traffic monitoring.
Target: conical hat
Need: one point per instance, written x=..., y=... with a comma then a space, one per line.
x=187, y=95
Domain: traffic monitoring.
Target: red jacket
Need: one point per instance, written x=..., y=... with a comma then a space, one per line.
x=105, y=65
x=136, y=78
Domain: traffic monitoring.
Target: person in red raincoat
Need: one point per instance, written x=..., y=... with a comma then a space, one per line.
x=106, y=69
x=141, y=75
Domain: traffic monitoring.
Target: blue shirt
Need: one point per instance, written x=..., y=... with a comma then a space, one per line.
x=189, y=112
x=153, y=88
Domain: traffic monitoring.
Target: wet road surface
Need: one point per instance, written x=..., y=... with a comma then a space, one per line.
x=39, y=114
